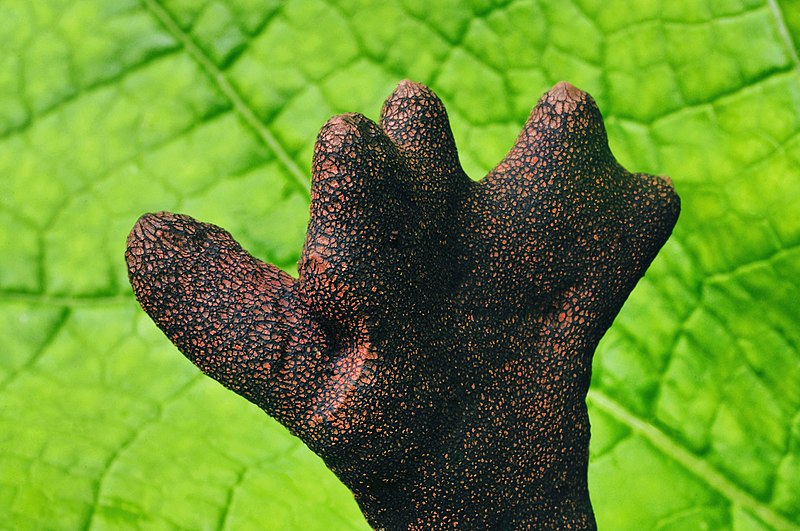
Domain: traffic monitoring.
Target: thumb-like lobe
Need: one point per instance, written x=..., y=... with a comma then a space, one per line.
x=232, y=315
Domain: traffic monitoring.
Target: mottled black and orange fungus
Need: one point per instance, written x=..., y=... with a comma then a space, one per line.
x=436, y=349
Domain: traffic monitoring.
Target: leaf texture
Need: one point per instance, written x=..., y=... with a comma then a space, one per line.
x=112, y=109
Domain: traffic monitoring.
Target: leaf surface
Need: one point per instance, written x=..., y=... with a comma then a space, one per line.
x=112, y=109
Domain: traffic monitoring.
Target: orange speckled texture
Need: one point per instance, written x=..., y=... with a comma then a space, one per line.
x=436, y=349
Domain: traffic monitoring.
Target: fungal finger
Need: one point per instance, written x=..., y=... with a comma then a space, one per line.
x=415, y=119
x=232, y=315
x=358, y=208
x=565, y=125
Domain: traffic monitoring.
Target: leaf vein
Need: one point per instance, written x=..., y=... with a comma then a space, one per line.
x=783, y=30
x=241, y=107
x=128, y=443
x=692, y=463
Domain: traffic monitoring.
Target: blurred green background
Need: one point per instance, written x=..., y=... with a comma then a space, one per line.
x=109, y=109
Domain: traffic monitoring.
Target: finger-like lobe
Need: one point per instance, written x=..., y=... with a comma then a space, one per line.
x=232, y=315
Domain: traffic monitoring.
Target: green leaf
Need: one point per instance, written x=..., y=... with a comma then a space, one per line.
x=112, y=109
